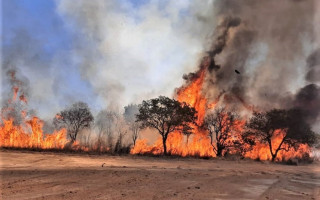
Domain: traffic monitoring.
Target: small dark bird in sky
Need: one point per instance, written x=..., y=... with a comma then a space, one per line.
x=237, y=71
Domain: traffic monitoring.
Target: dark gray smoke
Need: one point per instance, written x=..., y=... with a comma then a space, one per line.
x=220, y=41
x=267, y=43
x=313, y=66
x=308, y=100
x=129, y=56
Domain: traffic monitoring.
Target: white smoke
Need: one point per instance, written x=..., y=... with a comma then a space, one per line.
x=131, y=53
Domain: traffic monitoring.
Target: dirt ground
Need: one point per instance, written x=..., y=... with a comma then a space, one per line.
x=38, y=175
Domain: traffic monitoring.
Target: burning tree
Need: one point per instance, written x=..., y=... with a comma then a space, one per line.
x=130, y=113
x=74, y=119
x=280, y=129
x=166, y=116
x=220, y=125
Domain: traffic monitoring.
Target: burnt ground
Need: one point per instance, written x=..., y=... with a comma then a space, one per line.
x=48, y=175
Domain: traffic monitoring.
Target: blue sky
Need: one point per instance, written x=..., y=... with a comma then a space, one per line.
x=39, y=18
x=116, y=52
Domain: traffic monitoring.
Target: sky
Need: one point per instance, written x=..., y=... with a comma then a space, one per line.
x=38, y=22
x=116, y=52
x=105, y=53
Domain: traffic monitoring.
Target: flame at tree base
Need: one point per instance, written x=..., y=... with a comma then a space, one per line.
x=176, y=145
x=200, y=146
x=29, y=133
x=261, y=151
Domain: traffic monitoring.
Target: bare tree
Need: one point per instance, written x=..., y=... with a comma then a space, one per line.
x=105, y=125
x=74, y=119
x=121, y=131
x=84, y=138
x=166, y=116
x=130, y=113
x=220, y=125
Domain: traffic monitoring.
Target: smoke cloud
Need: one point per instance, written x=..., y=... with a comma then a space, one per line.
x=129, y=53
x=274, y=46
x=126, y=53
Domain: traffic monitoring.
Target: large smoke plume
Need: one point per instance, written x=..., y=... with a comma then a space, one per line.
x=274, y=46
x=128, y=52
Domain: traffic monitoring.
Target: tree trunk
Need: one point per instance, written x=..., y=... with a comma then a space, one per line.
x=273, y=157
x=134, y=142
x=164, y=140
x=219, y=151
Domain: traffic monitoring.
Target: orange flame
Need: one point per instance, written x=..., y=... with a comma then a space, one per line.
x=29, y=134
x=261, y=151
x=15, y=93
x=16, y=136
x=177, y=143
x=200, y=145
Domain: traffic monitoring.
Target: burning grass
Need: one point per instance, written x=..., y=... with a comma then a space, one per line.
x=18, y=136
x=29, y=134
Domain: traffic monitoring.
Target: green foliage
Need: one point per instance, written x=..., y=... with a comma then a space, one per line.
x=165, y=115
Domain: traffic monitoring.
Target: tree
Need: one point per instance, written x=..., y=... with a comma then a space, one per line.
x=130, y=113
x=74, y=119
x=291, y=123
x=121, y=131
x=220, y=125
x=166, y=116
x=105, y=125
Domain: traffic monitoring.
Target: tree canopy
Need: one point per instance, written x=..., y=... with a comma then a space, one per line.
x=264, y=125
x=166, y=116
x=220, y=125
x=74, y=118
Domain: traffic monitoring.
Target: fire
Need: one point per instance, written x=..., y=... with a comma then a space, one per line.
x=31, y=136
x=200, y=144
x=192, y=95
x=29, y=132
x=261, y=151
x=177, y=143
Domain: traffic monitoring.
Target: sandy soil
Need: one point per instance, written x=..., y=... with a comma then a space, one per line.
x=35, y=175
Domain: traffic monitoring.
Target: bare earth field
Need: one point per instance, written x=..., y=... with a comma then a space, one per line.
x=38, y=175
